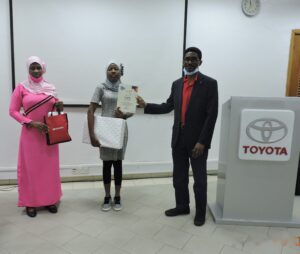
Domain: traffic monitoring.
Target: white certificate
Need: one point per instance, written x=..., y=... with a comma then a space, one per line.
x=127, y=98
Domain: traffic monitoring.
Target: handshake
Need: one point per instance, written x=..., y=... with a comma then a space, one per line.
x=140, y=101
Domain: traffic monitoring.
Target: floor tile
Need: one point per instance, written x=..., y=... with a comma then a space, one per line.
x=231, y=250
x=10, y=232
x=148, y=212
x=70, y=218
x=262, y=246
x=144, y=182
x=167, y=180
x=173, y=237
x=205, y=244
x=83, y=185
x=23, y=243
x=253, y=230
x=171, y=250
x=121, y=219
x=138, y=245
x=146, y=228
x=279, y=233
x=48, y=248
x=60, y=235
x=287, y=250
x=82, y=244
x=92, y=227
x=116, y=236
x=110, y=249
x=39, y=224
x=229, y=237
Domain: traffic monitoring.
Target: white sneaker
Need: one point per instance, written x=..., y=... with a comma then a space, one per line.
x=106, y=206
x=117, y=205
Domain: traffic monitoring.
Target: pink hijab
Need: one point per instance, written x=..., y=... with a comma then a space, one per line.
x=38, y=85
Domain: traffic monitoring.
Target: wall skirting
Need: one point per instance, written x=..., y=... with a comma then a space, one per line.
x=94, y=171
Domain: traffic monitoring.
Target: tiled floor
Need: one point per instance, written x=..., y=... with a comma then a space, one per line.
x=140, y=228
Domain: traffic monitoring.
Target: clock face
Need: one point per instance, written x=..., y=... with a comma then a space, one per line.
x=250, y=7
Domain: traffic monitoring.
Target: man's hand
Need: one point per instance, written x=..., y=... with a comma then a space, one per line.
x=197, y=150
x=95, y=142
x=140, y=101
x=38, y=125
x=119, y=113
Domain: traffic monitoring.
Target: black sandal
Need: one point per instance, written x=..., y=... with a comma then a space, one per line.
x=52, y=208
x=31, y=211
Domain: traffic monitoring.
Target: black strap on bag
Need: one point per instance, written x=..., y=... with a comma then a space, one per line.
x=38, y=104
x=52, y=111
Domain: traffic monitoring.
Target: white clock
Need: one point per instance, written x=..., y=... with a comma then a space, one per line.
x=250, y=7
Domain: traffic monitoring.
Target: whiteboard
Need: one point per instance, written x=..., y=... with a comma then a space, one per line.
x=77, y=38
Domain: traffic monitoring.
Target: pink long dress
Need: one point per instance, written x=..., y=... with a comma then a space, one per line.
x=38, y=164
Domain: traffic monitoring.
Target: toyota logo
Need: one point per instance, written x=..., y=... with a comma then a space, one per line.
x=266, y=130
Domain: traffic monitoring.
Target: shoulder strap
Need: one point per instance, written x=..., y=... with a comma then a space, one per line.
x=38, y=104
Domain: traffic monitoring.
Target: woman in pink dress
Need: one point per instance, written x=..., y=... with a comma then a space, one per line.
x=38, y=164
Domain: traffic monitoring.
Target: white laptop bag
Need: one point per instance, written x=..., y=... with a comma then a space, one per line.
x=108, y=130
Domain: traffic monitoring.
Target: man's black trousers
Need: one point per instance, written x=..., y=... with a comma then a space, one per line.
x=182, y=158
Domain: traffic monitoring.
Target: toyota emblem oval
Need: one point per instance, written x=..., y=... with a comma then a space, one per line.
x=266, y=130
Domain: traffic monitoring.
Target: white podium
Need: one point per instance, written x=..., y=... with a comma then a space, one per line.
x=258, y=162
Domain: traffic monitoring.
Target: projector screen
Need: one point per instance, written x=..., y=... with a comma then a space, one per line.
x=77, y=38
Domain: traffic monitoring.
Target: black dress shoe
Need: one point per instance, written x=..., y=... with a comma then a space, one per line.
x=52, y=208
x=199, y=221
x=31, y=211
x=177, y=211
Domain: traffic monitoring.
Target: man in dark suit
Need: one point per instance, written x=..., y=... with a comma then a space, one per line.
x=194, y=99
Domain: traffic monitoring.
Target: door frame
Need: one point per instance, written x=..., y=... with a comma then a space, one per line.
x=289, y=85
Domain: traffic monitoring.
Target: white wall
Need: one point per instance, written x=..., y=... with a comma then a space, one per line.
x=8, y=129
x=248, y=57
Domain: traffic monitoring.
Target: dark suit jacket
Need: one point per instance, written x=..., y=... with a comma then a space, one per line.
x=201, y=112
